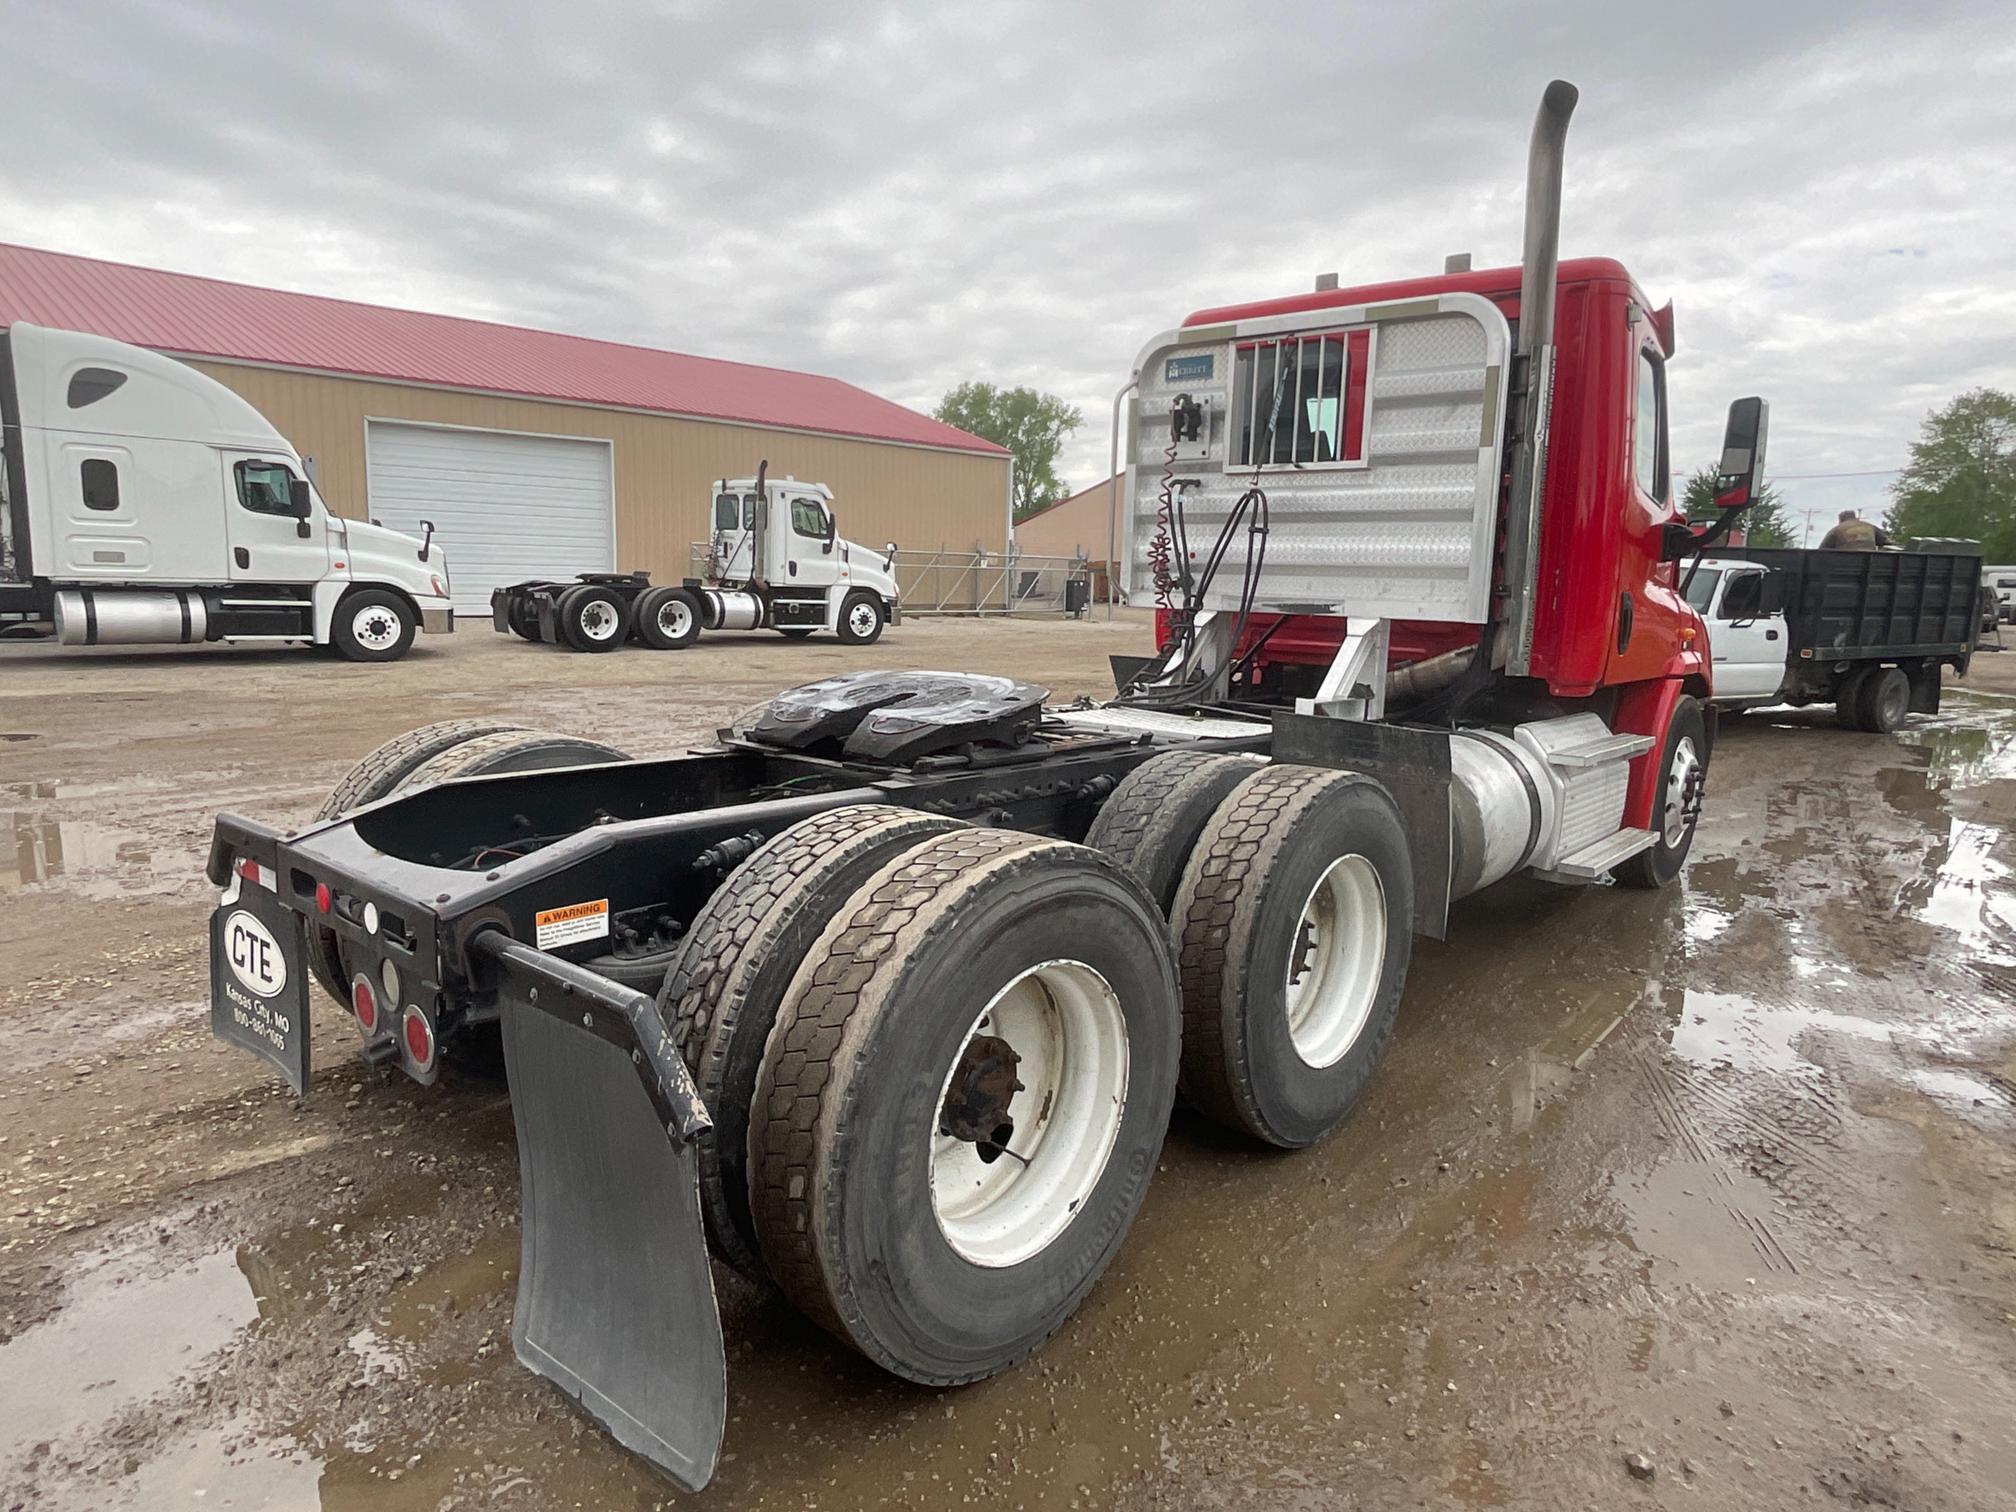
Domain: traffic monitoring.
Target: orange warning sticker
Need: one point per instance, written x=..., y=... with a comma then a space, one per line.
x=573, y=924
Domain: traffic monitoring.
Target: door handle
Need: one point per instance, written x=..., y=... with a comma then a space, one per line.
x=1770, y=635
x=244, y=557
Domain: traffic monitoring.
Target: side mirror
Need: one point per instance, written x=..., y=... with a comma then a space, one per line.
x=426, y=540
x=832, y=531
x=1742, y=467
x=300, y=504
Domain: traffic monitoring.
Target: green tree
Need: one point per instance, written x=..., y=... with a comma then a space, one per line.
x=1961, y=480
x=1031, y=425
x=1764, y=523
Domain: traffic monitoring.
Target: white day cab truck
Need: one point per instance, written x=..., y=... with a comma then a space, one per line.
x=775, y=562
x=142, y=503
x=1867, y=631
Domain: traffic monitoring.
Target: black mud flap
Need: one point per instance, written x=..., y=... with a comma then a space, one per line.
x=259, y=980
x=615, y=1294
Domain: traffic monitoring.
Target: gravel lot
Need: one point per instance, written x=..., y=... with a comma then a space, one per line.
x=1720, y=1177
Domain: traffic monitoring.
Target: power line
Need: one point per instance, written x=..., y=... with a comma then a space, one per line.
x=1878, y=472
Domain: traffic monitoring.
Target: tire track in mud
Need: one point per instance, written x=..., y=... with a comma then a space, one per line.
x=1666, y=1090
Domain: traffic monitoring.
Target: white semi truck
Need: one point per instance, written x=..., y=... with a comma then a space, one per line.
x=776, y=561
x=143, y=503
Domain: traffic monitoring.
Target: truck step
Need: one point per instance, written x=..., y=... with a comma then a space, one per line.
x=1602, y=751
x=1593, y=862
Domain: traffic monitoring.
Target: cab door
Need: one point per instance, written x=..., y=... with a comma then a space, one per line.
x=1747, y=646
x=270, y=541
x=810, y=559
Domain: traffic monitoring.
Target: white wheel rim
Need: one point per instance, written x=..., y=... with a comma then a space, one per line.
x=862, y=619
x=1064, y=1022
x=1679, y=779
x=1336, y=961
x=598, y=619
x=375, y=627
x=675, y=618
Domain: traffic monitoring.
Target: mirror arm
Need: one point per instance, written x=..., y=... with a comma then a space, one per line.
x=1681, y=540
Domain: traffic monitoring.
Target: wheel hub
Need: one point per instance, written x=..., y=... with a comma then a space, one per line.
x=374, y=628
x=1056, y=1038
x=976, y=1103
x=1686, y=783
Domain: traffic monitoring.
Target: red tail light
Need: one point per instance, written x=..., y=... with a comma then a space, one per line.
x=419, y=1038
x=364, y=1003
x=323, y=901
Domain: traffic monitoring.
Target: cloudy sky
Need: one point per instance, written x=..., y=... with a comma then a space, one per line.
x=914, y=196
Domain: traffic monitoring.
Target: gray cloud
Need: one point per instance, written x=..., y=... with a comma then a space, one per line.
x=908, y=198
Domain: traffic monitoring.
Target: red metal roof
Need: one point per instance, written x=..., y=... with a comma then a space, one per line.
x=205, y=317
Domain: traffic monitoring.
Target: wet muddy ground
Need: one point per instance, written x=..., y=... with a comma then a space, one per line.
x=1723, y=1177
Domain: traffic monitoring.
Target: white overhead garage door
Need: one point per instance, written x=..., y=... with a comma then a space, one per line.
x=505, y=507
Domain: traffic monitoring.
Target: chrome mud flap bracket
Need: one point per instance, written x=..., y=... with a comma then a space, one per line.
x=616, y=1301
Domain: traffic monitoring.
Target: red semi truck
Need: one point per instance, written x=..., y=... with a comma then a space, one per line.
x=883, y=998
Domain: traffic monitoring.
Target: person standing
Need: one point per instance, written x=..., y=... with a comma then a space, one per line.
x=1852, y=533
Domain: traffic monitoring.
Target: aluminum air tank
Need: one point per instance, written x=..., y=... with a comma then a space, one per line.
x=730, y=609
x=126, y=617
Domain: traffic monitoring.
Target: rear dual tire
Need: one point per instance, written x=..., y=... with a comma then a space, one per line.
x=877, y=1214
x=734, y=968
x=1294, y=927
x=592, y=618
x=668, y=619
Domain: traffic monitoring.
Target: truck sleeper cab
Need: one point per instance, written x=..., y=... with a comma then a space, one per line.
x=146, y=503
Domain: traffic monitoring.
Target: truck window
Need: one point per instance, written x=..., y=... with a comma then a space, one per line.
x=1308, y=374
x=1745, y=597
x=263, y=487
x=1648, y=435
x=100, y=480
x=1701, y=591
x=89, y=385
x=808, y=519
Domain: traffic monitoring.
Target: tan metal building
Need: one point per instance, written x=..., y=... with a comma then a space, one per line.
x=1079, y=525
x=536, y=454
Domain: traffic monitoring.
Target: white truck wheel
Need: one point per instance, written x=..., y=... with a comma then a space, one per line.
x=963, y=1099
x=862, y=617
x=373, y=625
x=1294, y=926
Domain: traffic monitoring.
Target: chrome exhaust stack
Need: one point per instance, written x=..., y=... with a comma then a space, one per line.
x=1534, y=375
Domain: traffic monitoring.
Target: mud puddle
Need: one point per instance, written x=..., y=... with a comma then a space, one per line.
x=133, y=1319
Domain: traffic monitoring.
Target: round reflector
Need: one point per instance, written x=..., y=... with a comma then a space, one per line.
x=364, y=1003
x=323, y=901
x=419, y=1038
